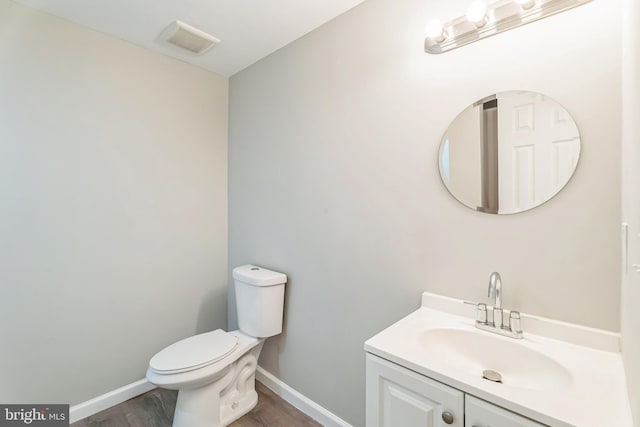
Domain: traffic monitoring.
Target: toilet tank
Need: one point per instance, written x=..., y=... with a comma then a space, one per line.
x=259, y=300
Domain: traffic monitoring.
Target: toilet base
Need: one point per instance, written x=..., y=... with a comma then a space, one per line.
x=223, y=401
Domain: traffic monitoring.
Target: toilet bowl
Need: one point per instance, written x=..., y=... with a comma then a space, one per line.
x=214, y=372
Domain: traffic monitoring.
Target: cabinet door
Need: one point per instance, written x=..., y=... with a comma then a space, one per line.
x=398, y=397
x=478, y=413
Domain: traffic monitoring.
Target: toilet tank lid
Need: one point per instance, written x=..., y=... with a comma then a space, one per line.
x=258, y=276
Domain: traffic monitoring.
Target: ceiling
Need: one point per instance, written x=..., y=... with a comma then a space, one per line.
x=249, y=29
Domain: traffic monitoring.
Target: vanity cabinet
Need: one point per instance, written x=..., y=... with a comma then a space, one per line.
x=399, y=397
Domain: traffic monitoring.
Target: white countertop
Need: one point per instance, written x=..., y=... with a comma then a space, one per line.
x=596, y=396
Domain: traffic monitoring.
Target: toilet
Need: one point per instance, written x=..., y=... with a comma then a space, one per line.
x=214, y=372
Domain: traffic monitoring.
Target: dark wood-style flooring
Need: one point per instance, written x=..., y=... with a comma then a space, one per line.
x=155, y=409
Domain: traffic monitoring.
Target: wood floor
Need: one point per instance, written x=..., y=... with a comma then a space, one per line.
x=155, y=409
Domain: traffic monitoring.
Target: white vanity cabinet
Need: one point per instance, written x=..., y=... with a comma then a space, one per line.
x=430, y=363
x=399, y=397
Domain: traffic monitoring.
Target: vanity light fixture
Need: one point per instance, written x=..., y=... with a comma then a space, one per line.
x=486, y=19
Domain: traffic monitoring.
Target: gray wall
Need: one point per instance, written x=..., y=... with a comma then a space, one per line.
x=333, y=180
x=113, y=220
x=631, y=201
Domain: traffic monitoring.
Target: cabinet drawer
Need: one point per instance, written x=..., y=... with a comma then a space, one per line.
x=478, y=413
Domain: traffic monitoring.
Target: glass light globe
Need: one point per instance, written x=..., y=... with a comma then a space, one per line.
x=526, y=4
x=434, y=28
x=477, y=13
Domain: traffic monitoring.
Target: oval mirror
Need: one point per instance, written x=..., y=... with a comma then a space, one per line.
x=509, y=152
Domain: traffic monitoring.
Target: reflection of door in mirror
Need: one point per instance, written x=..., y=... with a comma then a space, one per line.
x=539, y=147
x=489, y=132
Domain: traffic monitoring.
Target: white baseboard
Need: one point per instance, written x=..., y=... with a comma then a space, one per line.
x=303, y=403
x=107, y=400
x=300, y=401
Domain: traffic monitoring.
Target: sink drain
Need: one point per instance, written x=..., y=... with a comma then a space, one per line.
x=492, y=376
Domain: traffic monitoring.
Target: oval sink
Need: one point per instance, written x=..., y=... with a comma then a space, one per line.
x=472, y=352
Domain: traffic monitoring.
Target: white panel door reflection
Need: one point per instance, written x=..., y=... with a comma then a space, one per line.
x=538, y=150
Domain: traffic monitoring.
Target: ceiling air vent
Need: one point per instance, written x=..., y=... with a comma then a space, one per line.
x=188, y=38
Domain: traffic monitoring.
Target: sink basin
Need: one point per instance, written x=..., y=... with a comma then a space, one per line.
x=472, y=352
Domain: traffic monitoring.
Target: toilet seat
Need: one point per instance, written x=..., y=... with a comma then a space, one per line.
x=194, y=352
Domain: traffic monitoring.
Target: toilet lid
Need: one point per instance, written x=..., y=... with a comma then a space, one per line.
x=194, y=352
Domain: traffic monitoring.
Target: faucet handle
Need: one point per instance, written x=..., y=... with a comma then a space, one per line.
x=514, y=321
x=482, y=313
x=497, y=318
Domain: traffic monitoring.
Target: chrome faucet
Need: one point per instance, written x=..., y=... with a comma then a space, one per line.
x=496, y=323
x=495, y=288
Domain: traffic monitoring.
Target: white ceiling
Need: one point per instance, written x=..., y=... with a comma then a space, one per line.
x=249, y=29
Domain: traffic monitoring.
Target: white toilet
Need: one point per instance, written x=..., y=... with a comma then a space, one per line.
x=214, y=372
